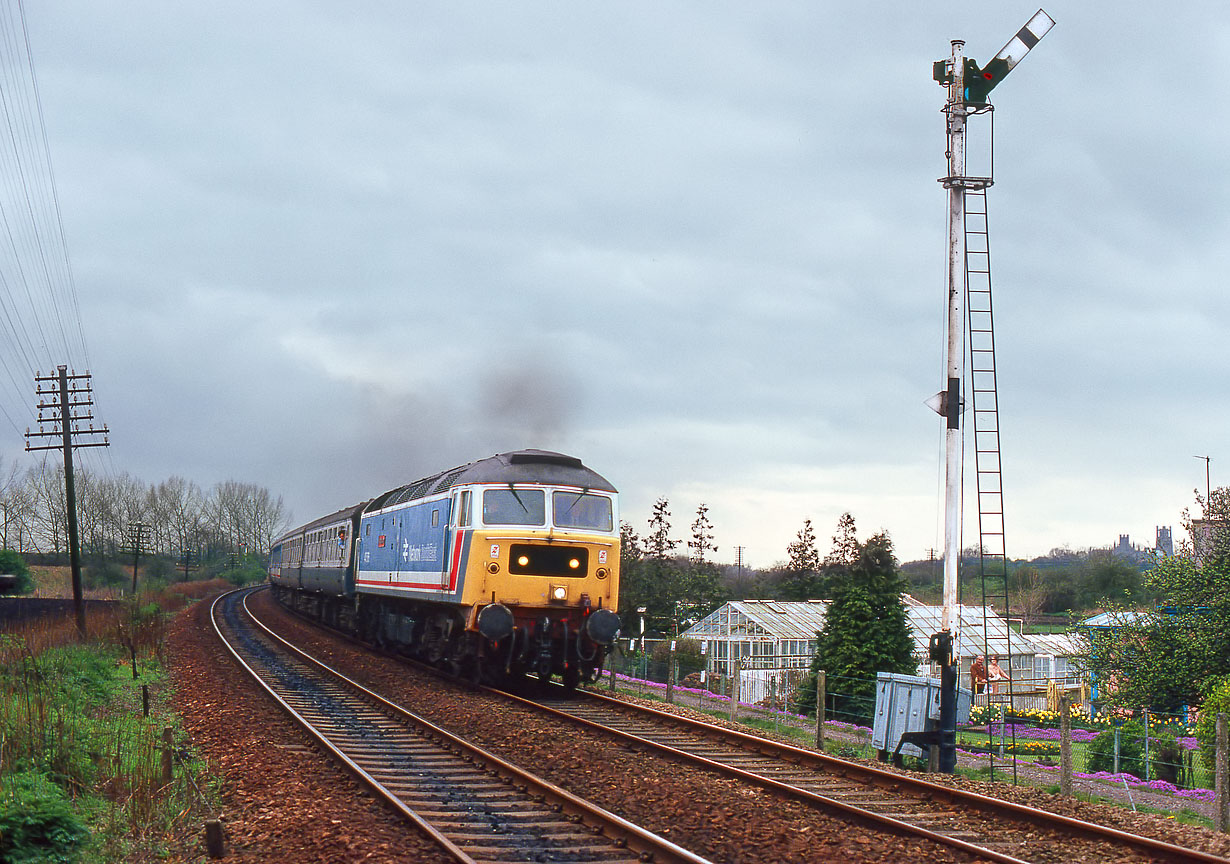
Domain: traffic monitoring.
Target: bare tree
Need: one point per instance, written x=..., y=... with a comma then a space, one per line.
x=179, y=507
x=48, y=511
x=245, y=515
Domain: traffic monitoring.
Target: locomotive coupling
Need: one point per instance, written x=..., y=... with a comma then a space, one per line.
x=495, y=622
x=602, y=626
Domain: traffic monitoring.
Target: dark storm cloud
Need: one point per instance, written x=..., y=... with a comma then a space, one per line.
x=333, y=249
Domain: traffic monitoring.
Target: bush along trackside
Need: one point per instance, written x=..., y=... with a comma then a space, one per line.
x=15, y=576
x=1163, y=753
x=86, y=740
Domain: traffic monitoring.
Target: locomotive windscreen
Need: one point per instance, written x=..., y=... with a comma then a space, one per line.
x=514, y=507
x=582, y=510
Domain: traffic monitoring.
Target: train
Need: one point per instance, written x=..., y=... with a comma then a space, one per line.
x=501, y=568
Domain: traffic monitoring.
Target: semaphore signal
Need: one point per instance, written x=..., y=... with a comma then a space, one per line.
x=968, y=86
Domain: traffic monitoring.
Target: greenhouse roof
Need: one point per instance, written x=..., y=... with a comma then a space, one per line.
x=780, y=619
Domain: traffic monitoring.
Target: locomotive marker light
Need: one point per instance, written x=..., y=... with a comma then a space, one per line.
x=968, y=87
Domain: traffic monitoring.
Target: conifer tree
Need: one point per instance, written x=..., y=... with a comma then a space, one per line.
x=802, y=581
x=701, y=590
x=866, y=629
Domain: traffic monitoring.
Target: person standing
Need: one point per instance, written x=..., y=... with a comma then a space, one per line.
x=995, y=674
x=978, y=674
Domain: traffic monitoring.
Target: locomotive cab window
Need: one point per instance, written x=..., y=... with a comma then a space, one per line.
x=514, y=507
x=582, y=510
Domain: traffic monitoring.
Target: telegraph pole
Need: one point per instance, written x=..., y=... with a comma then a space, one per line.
x=136, y=550
x=188, y=564
x=70, y=399
x=968, y=87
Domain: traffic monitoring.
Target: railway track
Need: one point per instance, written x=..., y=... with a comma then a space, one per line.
x=990, y=827
x=892, y=803
x=476, y=806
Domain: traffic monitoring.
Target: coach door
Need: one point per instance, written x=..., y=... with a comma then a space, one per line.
x=442, y=537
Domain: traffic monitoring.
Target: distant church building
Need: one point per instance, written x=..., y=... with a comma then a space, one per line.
x=1165, y=545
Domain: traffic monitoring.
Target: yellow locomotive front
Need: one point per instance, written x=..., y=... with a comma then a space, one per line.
x=542, y=575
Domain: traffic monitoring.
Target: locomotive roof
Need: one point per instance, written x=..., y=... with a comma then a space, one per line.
x=518, y=466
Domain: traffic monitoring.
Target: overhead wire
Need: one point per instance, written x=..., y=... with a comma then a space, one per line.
x=40, y=314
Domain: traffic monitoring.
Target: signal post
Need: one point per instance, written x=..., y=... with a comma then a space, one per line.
x=968, y=87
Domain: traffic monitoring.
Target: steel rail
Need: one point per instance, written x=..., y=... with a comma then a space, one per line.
x=595, y=821
x=896, y=782
x=924, y=790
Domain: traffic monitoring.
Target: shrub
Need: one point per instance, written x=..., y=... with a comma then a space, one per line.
x=12, y=564
x=1217, y=701
x=107, y=574
x=686, y=651
x=1163, y=753
x=37, y=822
x=246, y=575
x=160, y=567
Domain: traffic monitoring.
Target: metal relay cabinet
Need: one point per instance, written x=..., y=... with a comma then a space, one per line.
x=910, y=703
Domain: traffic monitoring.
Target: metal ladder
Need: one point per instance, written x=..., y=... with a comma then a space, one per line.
x=983, y=384
x=993, y=559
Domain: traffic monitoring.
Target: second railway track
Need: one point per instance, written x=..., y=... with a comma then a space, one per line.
x=989, y=827
x=476, y=806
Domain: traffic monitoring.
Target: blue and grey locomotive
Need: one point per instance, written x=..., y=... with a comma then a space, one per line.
x=504, y=566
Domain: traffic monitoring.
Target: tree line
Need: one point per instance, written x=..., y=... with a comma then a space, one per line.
x=676, y=590
x=179, y=518
x=1174, y=653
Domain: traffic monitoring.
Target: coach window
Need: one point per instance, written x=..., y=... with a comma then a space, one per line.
x=435, y=518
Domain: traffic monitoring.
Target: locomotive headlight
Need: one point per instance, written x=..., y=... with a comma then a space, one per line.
x=559, y=592
x=573, y=564
x=524, y=560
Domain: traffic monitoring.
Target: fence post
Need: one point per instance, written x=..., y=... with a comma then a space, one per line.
x=611, y=669
x=215, y=845
x=1146, y=745
x=670, y=674
x=734, y=690
x=1065, y=746
x=820, y=710
x=168, y=742
x=1222, y=811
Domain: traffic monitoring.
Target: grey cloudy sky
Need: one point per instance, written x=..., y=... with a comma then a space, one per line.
x=330, y=248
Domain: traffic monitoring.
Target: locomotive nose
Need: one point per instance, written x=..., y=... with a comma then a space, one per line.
x=602, y=626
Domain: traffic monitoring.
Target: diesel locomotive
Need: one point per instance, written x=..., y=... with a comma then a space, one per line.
x=503, y=567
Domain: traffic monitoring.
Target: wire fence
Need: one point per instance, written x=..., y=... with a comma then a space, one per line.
x=1121, y=750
